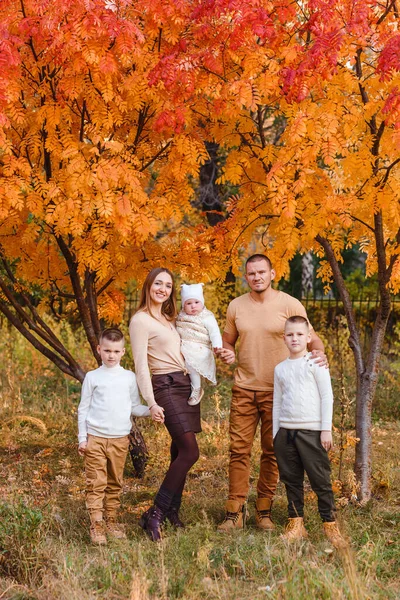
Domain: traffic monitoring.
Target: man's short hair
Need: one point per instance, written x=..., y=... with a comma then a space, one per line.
x=298, y=319
x=112, y=334
x=256, y=258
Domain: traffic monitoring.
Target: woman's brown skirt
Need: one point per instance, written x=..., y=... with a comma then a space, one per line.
x=172, y=392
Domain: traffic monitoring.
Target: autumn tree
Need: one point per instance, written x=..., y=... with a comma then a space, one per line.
x=93, y=163
x=107, y=107
x=305, y=98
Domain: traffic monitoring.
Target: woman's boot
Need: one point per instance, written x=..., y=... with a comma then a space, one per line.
x=173, y=517
x=152, y=522
x=144, y=518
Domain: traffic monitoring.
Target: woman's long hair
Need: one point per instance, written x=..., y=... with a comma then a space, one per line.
x=168, y=309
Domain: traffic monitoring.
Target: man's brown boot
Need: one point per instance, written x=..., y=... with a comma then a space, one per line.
x=97, y=535
x=263, y=514
x=334, y=536
x=234, y=518
x=295, y=530
x=113, y=529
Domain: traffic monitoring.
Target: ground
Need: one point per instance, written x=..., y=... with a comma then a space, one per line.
x=45, y=552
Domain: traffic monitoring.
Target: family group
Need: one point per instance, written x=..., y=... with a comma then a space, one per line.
x=281, y=380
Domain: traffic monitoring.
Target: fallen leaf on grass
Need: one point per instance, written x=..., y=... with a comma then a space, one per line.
x=44, y=452
x=62, y=480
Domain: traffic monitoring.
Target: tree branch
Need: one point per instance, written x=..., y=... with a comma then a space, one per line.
x=391, y=5
x=144, y=167
x=105, y=286
x=77, y=372
x=79, y=296
x=388, y=169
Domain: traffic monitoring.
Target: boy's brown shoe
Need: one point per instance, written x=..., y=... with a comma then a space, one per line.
x=263, y=514
x=334, y=536
x=234, y=518
x=295, y=530
x=97, y=535
x=115, y=530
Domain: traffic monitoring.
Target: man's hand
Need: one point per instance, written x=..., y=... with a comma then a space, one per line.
x=227, y=356
x=326, y=440
x=82, y=448
x=157, y=413
x=321, y=358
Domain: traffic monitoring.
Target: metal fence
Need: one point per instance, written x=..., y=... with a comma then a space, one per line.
x=365, y=307
x=324, y=311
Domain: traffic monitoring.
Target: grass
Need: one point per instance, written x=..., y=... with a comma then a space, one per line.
x=45, y=553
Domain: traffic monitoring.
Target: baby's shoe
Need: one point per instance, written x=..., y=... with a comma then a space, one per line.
x=195, y=396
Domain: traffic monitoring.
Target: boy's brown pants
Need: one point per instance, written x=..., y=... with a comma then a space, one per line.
x=247, y=409
x=104, y=466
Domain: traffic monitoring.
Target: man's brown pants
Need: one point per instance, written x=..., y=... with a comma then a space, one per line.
x=104, y=466
x=247, y=409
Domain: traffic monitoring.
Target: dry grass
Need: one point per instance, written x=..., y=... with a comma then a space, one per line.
x=45, y=552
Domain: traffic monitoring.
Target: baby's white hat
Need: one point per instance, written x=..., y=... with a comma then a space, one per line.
x=193, y=291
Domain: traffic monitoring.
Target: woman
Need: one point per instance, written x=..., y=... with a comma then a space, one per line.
x=156, y=349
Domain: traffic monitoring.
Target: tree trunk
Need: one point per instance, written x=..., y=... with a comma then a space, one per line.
x=307, y=274
x=366, y=371
x=212, y=203
x=366, y=389
x=363, y=462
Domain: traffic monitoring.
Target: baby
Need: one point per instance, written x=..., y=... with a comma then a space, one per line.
x=200, y=334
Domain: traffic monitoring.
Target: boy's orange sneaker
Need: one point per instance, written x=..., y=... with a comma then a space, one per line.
x=295, y=530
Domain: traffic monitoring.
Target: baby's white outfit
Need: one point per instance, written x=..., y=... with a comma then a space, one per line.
x=199, y=335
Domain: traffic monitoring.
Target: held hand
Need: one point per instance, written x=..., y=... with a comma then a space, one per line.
x=157, y=413
x=326, y=440
x=82, y=448
x=227, y=356
x=321, y=358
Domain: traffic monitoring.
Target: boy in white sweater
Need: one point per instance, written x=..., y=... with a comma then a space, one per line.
x=302, y=424
x=109, y=397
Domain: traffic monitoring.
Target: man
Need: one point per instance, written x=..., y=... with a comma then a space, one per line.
x=258, y=319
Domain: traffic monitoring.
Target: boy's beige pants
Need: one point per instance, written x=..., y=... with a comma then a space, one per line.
x=104, y=466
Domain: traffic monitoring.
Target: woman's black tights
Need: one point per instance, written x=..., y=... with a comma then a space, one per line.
x=184, y=454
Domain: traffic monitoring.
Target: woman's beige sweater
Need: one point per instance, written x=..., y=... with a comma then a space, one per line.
x=156, y=349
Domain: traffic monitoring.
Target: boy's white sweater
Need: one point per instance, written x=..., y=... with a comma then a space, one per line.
x=109, y=397
x=303, y=397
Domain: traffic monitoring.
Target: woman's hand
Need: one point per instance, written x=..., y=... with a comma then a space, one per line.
x=326, y=440
x=157, y=413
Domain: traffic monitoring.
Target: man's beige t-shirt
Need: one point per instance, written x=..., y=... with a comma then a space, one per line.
x=260, y=329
